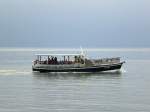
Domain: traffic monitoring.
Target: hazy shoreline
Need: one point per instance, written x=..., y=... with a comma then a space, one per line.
x=73, y=49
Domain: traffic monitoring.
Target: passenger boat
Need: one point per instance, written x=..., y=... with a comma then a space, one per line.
x=74, y=63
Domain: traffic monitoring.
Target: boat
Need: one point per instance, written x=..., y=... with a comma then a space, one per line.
x=74, y=63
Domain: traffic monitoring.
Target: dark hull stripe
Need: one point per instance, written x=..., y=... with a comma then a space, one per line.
x=84, y=69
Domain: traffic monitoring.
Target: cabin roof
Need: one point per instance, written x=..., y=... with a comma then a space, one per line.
x=58, y=54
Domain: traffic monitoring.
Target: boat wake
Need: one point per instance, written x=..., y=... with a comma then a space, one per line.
x=14, y=72
x=123, y=70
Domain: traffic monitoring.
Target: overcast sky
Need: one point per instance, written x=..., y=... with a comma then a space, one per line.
x=74, y=23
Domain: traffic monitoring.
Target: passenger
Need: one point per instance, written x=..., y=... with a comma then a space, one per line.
x=35, y=62
x=45, y=61
x=75, y=59
x=79, y=59
x=82, y=61
x=52, y=60
x=55, y=60
x=48, y=60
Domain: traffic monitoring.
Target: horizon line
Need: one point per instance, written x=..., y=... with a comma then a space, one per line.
x=71, y=49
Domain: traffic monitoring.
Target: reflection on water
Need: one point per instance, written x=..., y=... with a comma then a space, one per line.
x=114, y=74
x=73, y=92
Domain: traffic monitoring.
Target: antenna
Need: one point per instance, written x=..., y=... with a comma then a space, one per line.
x=82, y=52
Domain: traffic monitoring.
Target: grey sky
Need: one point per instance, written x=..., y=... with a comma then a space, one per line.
x=72, y=23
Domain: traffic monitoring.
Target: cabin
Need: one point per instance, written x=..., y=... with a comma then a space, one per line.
x=59, y=60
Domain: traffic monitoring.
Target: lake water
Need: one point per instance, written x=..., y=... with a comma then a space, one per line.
x=22, y=90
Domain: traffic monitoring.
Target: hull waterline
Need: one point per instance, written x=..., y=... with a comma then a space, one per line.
x=99, y=68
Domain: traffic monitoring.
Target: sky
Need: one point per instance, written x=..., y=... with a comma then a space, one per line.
x=75, y=23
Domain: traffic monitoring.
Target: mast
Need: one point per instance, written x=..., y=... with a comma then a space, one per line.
x=82, y=54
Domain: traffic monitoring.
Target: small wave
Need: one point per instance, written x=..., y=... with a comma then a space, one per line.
x=123, y=70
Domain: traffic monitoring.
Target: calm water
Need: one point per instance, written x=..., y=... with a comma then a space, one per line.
x=21, y=90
